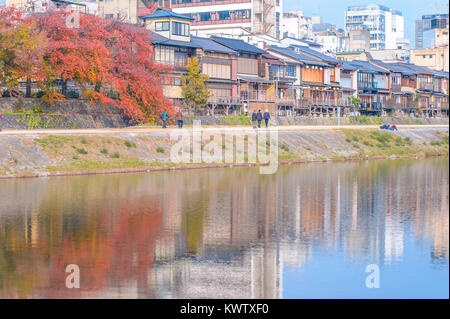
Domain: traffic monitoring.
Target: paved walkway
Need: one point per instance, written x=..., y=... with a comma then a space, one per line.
x=208, y=128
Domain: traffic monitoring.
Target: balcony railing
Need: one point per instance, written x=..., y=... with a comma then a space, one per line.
x=230, y=21
x=198, y=3
x=224, y=100
x=373, y=86
x=257, y=96
x=426, y=86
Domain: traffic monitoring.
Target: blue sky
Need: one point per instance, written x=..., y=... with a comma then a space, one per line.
x=333, y=11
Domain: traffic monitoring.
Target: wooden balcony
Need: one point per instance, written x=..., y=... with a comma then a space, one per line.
x=258, y=96
x=224, y=100
x=426, y=86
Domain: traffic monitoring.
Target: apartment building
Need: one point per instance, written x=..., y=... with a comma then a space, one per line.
x=435, y=51
x=230, y=17
x=295, y=24
x=429, y=22
x=386, y=26
x=36, y=6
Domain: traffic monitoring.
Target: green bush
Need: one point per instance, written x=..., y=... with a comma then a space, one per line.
x=115, y=155
x=38, y=109
x=81, y=151
x=159, y=149
x=129, y=144
x=104, y=151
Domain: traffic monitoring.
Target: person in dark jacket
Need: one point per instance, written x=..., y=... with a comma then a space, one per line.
x=254, y=118
x=179, y=118
x=164, y=117
x=259, y=117
x=266, y=117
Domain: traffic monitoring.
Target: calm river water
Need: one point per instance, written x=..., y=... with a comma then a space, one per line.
x=308, y=231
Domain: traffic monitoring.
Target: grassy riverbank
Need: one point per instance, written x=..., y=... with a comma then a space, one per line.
x=46, y=155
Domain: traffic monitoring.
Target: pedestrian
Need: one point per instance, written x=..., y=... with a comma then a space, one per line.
x=266, y=117
x=394, y=127
x=164, y=117
x=259, y=117
x=254, y=118
x=179, y=117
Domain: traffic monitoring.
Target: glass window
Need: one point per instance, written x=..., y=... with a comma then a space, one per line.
x=181, y=29
x=162, y=26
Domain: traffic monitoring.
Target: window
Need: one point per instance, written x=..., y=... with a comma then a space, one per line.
x=162, y=26
x=181, y=29
x=291, y=70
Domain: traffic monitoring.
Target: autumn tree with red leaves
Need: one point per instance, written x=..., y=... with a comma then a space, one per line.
x=109, y=60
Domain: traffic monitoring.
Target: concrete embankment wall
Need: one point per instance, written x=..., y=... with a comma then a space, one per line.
x=305, y=120
x=77, y=113
x=71, y=113
x=40, y=155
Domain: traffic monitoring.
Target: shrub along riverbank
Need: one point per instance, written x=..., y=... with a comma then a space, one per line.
x=28, y=155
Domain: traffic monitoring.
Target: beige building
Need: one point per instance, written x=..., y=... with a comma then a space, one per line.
x=356, y=40
x=436, y=59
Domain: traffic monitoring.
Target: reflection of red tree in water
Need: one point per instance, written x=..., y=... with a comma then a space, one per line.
x=108, y=251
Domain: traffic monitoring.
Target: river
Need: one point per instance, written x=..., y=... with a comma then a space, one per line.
x=367, y=229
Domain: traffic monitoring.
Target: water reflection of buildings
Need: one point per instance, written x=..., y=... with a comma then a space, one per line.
x=214, y=233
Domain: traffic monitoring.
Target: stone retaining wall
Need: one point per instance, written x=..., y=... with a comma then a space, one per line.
x=72, y=113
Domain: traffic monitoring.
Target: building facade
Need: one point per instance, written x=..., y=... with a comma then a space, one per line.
x=295, y=24
x=229, y=17
x=429, y=22
x=386, y=26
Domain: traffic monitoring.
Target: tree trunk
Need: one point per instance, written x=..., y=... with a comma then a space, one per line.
x=28, y=88
x=64, y=88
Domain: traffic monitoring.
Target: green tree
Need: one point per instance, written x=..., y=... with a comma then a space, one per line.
x=355, y=101
x=195, y=92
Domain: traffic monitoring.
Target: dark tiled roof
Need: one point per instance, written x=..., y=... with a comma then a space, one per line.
x=209, y=45
x=347, y=66
x=317, y=54
x=418, y=69
x=367, y=66
x=166, y=14
x=306, y=41
x=297, y=56
x=238, y=45
x=395, y=67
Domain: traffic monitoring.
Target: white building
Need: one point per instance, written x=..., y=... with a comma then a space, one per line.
x=36, y=6
x=294, y=24
x=230, y=17
x=386, y=26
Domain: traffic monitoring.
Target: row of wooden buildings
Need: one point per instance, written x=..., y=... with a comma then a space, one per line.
x=293, y=79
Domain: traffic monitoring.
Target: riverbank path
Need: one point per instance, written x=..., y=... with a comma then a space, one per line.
x=155, y=129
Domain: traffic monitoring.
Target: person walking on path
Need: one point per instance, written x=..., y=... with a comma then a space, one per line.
x=259, y=117
x=179, y=118
x=164, y=117
x=254, y=118
x=266, y=117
